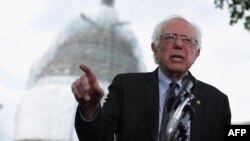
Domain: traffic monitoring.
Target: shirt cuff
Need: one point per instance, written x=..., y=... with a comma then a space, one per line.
x=93, y=118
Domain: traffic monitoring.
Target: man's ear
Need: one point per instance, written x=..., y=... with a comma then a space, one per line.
x=154, y=48
x=197, y=54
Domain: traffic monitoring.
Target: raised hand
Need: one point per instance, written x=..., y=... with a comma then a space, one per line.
x=87, y=92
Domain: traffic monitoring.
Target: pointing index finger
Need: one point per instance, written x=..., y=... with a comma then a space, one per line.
x=88, y=72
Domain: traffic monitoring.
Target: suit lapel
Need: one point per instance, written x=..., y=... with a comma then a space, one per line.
x=152, y=99
x=197, y=120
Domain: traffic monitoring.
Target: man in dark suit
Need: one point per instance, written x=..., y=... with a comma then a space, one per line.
x=135, y=104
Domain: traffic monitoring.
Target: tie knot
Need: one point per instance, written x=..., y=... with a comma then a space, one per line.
x=173, y=85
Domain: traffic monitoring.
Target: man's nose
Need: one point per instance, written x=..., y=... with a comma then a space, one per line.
x=178, y=42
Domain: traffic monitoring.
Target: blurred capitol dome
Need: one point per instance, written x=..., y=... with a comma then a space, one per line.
x=102, y=42
x=108, y=46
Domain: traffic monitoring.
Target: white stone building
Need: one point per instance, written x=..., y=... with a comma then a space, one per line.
x=47, y=110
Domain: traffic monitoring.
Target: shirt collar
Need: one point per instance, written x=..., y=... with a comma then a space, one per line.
x=164, y=81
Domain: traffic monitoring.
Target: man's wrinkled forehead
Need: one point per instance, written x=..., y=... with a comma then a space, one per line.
x=179, y=26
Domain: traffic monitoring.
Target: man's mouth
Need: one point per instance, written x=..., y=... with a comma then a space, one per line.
x=177, y=58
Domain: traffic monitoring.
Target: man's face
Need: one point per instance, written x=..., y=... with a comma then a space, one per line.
x=177, y=50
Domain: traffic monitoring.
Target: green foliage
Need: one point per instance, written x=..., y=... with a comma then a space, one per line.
x=239, y=10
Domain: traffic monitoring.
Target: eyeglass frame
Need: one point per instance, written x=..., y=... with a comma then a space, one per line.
x=187, y=40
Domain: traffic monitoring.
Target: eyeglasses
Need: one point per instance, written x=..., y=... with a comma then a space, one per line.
x=171, y=38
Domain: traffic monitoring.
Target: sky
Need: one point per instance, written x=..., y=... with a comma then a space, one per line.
x=29, y=27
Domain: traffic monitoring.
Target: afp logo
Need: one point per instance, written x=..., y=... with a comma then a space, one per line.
x=236, y=132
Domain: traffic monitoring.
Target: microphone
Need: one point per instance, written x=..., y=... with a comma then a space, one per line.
x=181, y=111
x=188, y=84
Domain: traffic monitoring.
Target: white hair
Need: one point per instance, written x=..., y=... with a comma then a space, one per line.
x=158, y=30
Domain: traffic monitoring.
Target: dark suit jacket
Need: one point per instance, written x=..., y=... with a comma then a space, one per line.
x=131, y=111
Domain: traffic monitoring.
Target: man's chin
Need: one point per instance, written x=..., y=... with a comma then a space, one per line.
x=178, y=71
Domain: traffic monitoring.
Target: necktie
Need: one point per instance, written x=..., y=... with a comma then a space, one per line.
x=167, y=106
